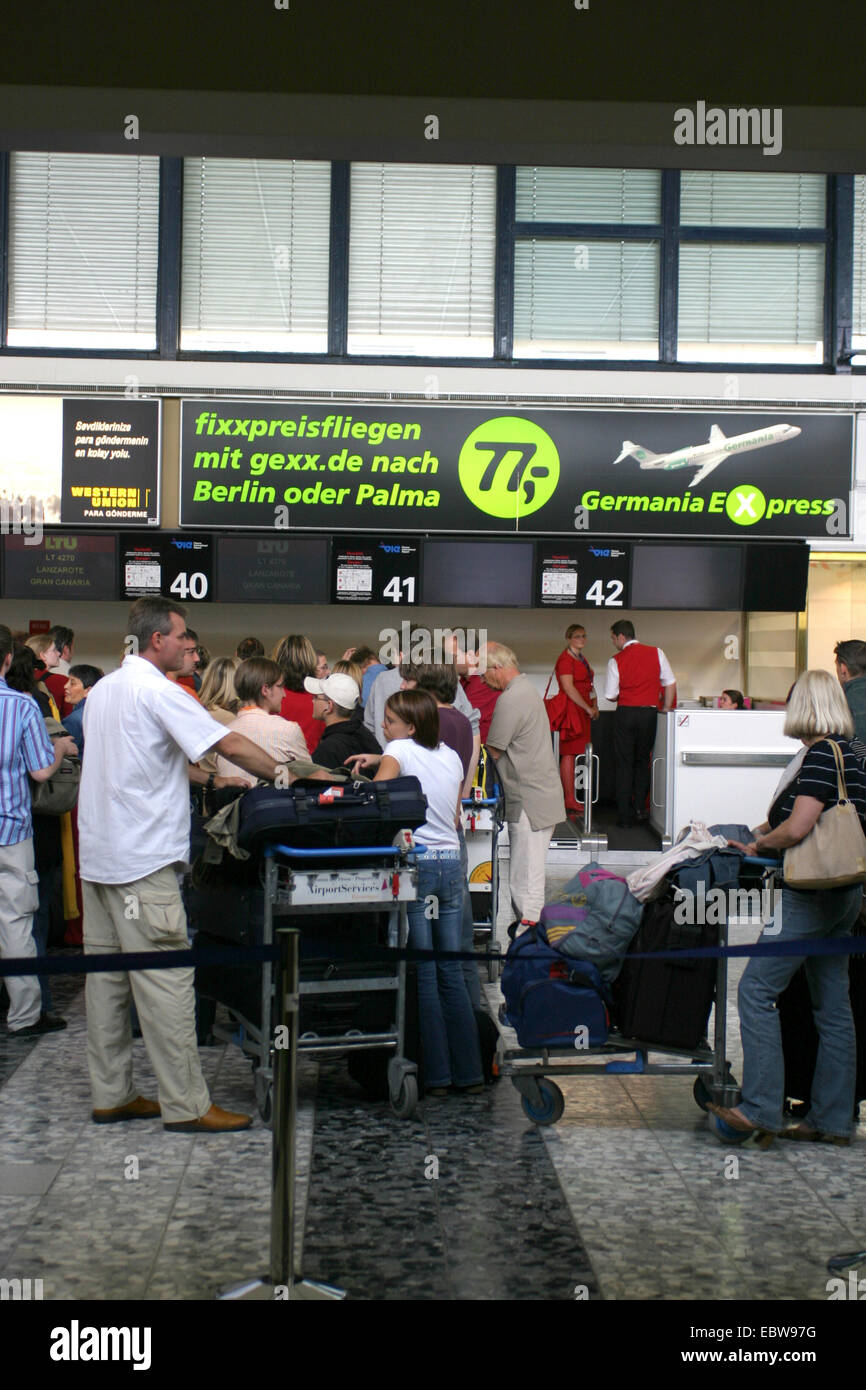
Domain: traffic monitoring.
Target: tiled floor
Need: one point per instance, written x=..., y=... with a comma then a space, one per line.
x=628, y=1197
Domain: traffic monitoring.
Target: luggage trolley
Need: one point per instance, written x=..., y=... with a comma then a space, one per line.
x=318, y=881
x=483, y=819
x=543, y=1101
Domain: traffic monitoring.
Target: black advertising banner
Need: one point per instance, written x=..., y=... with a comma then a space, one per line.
x=159, y=563
x=66, y=566
x=375, y=570
x=273, y=569
x=110, y=462
x=461, y=468
x=582, y=574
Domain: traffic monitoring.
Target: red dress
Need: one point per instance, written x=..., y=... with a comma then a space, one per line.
x=572, y=740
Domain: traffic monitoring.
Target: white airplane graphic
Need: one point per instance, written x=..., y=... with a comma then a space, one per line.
x=706, y=457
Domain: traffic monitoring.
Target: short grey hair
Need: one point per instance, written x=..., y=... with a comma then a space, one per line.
x=500, y=655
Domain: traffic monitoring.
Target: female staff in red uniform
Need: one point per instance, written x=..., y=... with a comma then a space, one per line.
x=575, y=676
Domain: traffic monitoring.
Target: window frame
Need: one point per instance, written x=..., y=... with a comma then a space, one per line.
x=836, y=236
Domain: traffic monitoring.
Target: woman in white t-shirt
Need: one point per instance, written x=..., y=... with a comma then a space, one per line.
x=449, y=1033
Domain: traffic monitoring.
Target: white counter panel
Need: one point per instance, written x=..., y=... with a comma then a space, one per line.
x=717, y=766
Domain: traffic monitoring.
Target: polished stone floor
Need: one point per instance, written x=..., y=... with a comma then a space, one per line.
x=628, y=1197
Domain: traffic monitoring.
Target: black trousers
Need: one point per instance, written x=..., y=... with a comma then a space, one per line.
x=634, y=733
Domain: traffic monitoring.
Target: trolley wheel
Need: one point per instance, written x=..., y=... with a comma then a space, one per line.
x=701, y=1094
x=551, y=1106
x=406, y=1099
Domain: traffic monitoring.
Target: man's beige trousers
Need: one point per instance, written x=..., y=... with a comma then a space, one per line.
x=146, y=915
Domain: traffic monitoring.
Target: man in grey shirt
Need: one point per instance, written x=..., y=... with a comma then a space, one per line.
x=519, y=740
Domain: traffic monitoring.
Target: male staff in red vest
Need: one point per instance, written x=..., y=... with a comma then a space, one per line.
x=634, y=677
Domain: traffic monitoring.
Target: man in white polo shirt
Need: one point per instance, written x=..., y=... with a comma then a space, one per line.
x=143, y=732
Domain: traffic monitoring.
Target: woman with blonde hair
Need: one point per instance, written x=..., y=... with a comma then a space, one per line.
x=349, y=668
x=296, y=657
x=818, y=715
x=219, y=697
x=218, y=694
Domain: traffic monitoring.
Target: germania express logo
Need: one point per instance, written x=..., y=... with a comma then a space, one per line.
x=743, y=504
x=509, y=467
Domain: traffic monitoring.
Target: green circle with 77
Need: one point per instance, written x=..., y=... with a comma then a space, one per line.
x=508, y=467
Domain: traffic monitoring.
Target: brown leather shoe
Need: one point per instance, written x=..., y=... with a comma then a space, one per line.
x=216, y=1121
x=806, y=1134
x=138, y=1109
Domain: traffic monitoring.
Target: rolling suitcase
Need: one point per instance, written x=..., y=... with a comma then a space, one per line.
x=800, y=1038
x=666, y=1002
x=318, y=816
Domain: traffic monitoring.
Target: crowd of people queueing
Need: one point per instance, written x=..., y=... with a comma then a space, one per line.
x=172, y=717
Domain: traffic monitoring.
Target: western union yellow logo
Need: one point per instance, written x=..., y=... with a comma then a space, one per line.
x=113, y=496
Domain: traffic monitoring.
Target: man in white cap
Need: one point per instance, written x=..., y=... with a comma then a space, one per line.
x=335, y=702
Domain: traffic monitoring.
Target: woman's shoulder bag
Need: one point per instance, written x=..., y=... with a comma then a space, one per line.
x=60, y=793
x=833, y=854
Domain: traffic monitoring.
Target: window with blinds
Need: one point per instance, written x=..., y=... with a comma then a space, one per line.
x=83, y=248
x=591, y=299
x=587, y=195
x=858, y=317
x=751, y=303
x=421, y=260
x=726, y=199
x=254, y=271
x=579, y=296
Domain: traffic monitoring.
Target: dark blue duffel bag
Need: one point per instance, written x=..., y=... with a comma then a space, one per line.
x=552, y=1001
x=316, y=815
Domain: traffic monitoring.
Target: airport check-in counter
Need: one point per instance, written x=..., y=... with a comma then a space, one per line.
x=716, y=766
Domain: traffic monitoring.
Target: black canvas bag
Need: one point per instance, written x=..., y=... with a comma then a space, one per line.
x=316, y=815
x=666, y=1002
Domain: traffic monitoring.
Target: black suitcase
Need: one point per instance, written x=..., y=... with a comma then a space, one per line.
x=315, y=815
x=224, y=915
x=666, y=1002
x=800, y=1038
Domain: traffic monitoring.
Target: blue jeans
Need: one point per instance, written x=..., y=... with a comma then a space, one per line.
x=449, y=1033
x=830, y=912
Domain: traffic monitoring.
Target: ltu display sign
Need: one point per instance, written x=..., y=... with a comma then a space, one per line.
x=447, y=468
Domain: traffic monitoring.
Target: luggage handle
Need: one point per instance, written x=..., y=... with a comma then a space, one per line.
x=365, y=851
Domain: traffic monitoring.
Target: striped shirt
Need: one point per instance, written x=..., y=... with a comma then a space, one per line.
x=817, y=778
x=24, y=747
